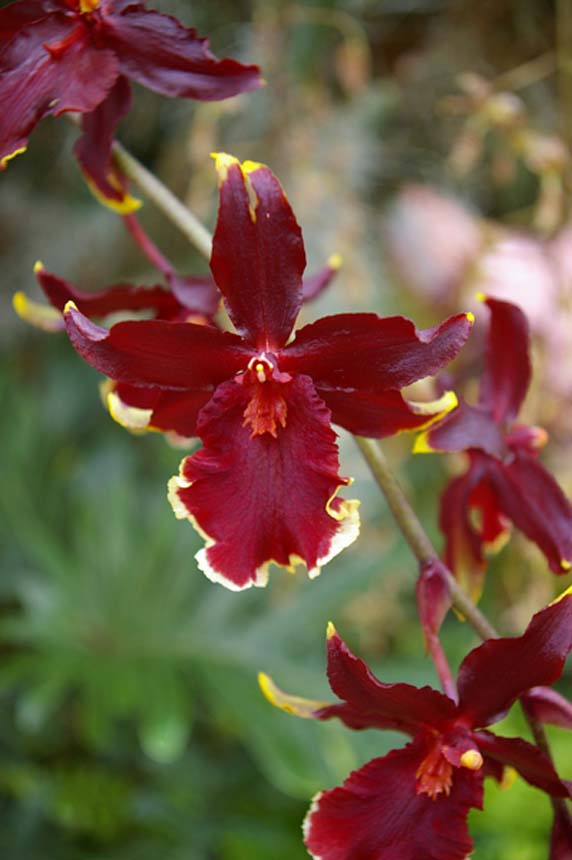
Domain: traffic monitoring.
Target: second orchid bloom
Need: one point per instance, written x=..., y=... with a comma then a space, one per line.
x=263, y=488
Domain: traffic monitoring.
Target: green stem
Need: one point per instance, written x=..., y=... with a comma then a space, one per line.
x=416, y=536
x=165, y=200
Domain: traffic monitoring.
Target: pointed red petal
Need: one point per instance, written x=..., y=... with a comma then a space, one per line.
x=263, y=498
x=35, y=84
x=377, y=414
x=403, y=704
x=258, y=253
x=364, y=351
x=496, y=673
x=120, y=297
x=93, y=149
x=528, y=494
x=548, y=706
x=466, y=427
x=378, y=815
x=152, y=352
x=507, y=369
x=160, y=53
x=530, y=762
x=314, y=285
x=157, y=409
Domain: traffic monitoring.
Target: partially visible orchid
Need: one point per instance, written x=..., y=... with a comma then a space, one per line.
x=264, y=486
x=413, y=803
x=79, y=56
x=504, y=481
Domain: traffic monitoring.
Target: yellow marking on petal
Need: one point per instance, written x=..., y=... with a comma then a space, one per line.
x=493, y=547
x=130, y=417
x=470, y=316
x=295, y=705
x=436, y=410
x=422, y=446
x=335, y=261
x=472, y=760
x=508, y=778
x=125, y=206
x=252, y=166
x=565, y=564
x=330, y=630
x=88, y=5
x=41, y=316
x=222, y=162
x=568, y=591
x=12, y=155
x=38, y=267
x=70, y=306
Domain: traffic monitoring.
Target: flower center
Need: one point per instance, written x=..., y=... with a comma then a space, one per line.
x=435, y=773
x=267, y=409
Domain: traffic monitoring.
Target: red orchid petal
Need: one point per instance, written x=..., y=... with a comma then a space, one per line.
x=377, y=414
x=378, y=815
x=94, y=153
x=15, y=16
x=561, y=838
x=548, y=706
x=402, y=704
x=195, y=294
x=160, y=53
x=433, y=603
x=152, y=352
x=507, y=369
x=35, y=83
x=466, y=427
x=496, y=673
x=258, y=498
x=530, y=762
x=314, y=285
x=156, y=409
x=528, y=494
x=364, y=351
x=121, y=297
x=258, y=253
x=464, y=545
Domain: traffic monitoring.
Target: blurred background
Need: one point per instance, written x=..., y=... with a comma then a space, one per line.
x=427, y=142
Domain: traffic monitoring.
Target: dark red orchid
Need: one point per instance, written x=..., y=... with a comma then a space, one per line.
x=412, y=804
x=264, y=486
x=505, y=481
x=77, y=55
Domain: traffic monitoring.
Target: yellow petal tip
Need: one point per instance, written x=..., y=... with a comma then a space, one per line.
x=330, y=630
x=470, y=316
x=481, y=297
x=421, y=444
x=70, y=306
x=252, y=166
x=38, y=267
x=567, y=591
x=335, y=261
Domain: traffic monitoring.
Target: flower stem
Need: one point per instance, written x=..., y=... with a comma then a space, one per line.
x=164, y=199
x=416, y=536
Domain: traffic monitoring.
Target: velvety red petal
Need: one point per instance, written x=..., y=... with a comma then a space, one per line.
x=529, y=761
x=561, y=838
x=378, y=815
x=258, y=253
x=121, y=297
x=195, y=294
x=464, y=545
x=262, y=498
x=409, y=707
x=548, y=706
x=156, y=409
x=507, y=369
x=153, y=352
x=496, y=673
x=93, y=149
x=36, y=83
x=465, y=428
x=377, y=414
x=528, y=494
x=314, y=285
x=364, y=351
x=160, y=53
x=15, y=16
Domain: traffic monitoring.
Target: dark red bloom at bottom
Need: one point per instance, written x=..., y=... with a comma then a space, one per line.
x=412, y=804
